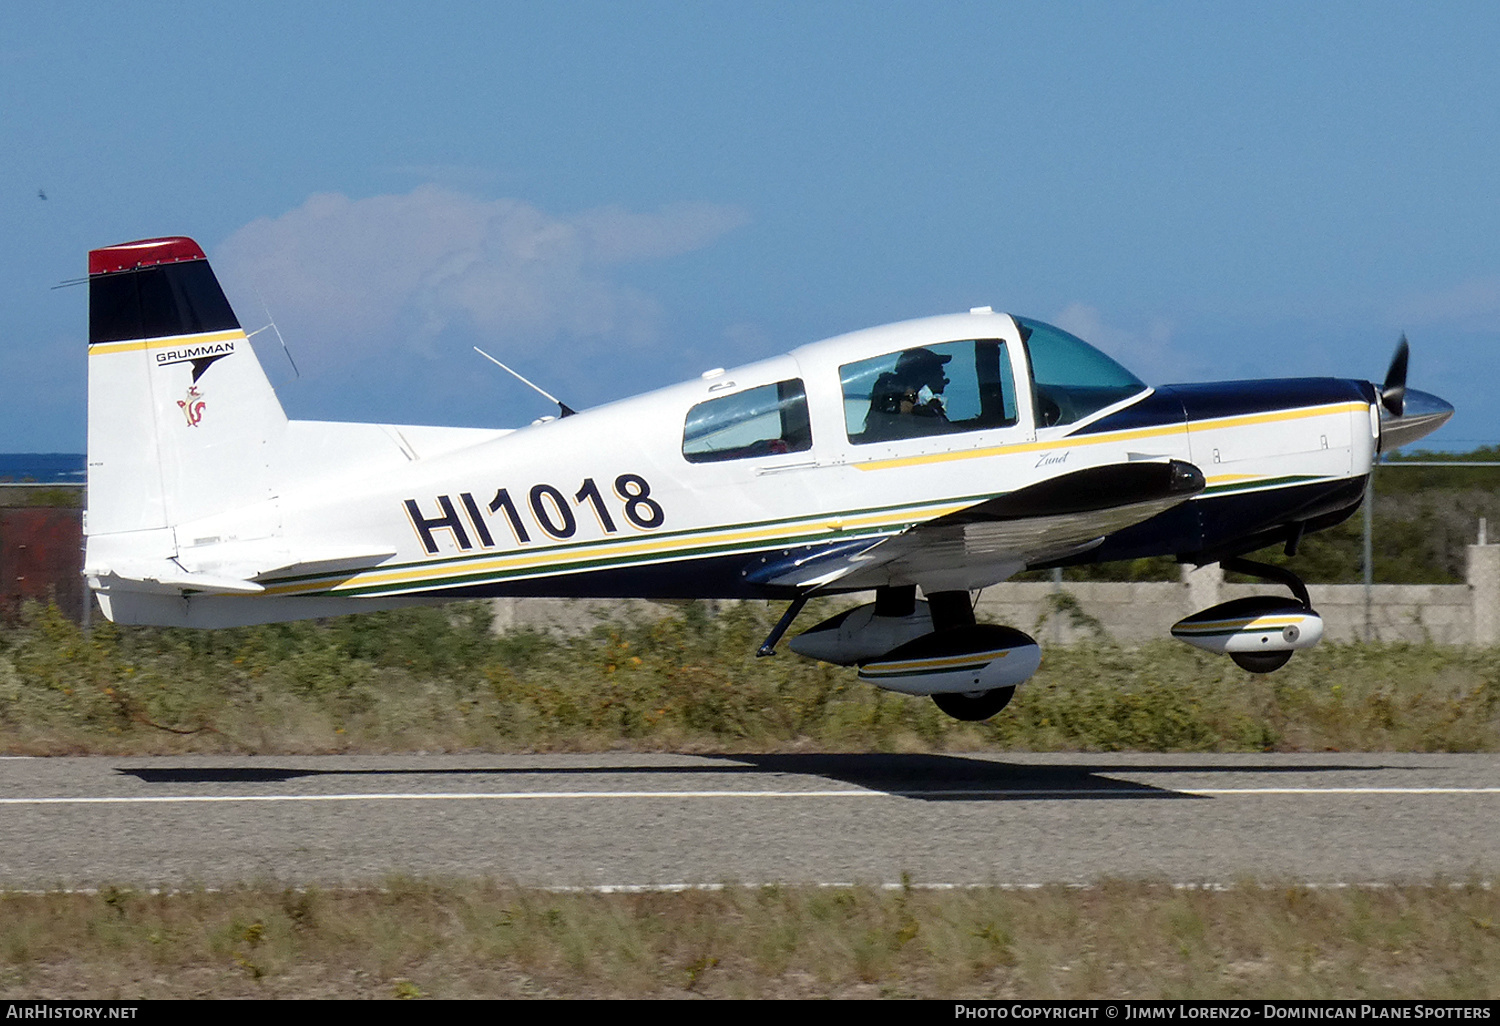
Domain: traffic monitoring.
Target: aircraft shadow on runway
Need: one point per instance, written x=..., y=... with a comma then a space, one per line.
x=921, y=777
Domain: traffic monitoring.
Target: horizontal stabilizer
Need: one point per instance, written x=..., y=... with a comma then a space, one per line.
x=228, y=569
x=259, y=559
x=167, y=576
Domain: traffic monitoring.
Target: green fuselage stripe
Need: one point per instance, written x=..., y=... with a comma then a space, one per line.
x=544, y=561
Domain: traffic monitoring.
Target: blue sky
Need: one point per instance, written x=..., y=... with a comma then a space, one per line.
x=616, y=196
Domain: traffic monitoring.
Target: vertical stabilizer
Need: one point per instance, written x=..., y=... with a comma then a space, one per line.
x=182, y=421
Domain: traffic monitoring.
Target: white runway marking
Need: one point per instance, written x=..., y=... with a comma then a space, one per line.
x=439, y=796
x=889, y=885
x=1126, y=790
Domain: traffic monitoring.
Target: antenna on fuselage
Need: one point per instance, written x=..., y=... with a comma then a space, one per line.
x=567, y=411
x=271, y=323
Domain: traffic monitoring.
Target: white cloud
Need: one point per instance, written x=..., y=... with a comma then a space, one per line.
x=354, y=277
x=1471, y=305
x=455, y=176
x=615, y=235
x=1146, y=352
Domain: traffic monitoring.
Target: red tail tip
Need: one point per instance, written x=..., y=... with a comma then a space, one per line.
x=129, y=255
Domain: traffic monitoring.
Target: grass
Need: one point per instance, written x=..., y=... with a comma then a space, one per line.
x=428, y=939
x=438, y=680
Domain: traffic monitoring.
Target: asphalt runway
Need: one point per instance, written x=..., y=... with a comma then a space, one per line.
x=622, y=820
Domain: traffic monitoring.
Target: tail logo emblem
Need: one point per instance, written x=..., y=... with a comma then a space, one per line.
x=192, y=407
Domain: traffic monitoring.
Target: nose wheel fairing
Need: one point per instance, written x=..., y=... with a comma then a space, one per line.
x=1259, y=632
x=1258, y=625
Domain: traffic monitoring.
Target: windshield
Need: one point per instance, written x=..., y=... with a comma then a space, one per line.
x=1072, y=378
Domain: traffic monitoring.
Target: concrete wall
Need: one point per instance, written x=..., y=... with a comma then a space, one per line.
x=1447, y=614
x=1484, y=580
x=1132, y=613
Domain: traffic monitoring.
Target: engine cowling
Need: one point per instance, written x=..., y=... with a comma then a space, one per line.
x=963, y=660
x=1259, y=626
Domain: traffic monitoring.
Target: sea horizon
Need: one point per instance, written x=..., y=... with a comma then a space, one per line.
x=43, y=467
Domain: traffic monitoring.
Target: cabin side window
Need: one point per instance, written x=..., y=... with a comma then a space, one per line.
x=929, y=390
x=764, y=421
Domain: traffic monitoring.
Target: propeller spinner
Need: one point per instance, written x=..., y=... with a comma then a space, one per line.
x=1407, y=414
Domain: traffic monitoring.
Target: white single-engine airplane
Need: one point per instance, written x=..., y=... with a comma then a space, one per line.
x=943, y=454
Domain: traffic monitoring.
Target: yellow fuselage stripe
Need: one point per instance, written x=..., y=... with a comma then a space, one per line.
x=167, y=342
x=1163, y=431
x=561, y=560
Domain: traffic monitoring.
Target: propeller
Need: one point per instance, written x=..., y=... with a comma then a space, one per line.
x=1407, y=414
x=1393, y=392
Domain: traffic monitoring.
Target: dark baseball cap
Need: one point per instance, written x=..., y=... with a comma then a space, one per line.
x=920, y=359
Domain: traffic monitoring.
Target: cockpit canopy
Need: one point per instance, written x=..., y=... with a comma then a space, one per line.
x=946, y=387
x=930, y=387
x=1071, y=377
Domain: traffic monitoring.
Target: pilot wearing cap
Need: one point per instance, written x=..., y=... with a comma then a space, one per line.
x=919, y=369
x=897, y=406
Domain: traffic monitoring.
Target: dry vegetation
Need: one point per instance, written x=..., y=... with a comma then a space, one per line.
x=439, y=680
x=415, y=939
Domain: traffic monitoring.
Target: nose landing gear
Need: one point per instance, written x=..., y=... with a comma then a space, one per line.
x=1260, y=632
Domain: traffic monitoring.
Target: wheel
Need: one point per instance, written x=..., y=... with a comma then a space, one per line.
x=977, y=705
x=1260, y=662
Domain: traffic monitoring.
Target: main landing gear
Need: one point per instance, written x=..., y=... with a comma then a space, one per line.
x=980, y=705
x=954, y=611
x=933, y=648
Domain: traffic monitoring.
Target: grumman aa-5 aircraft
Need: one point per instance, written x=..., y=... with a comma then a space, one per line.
x=939, y=455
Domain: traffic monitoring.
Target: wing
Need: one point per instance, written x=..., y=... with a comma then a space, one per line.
x=994, y=539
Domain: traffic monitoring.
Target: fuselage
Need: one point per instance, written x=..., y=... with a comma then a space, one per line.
x=725, y=485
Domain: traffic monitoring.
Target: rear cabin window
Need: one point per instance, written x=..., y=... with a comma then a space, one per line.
x=929, y=390
x=763, y=421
